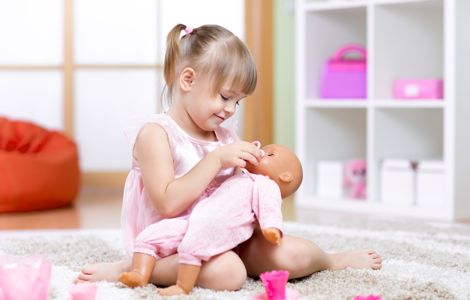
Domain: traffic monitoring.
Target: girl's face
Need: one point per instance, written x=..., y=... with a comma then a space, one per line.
x=207, y=110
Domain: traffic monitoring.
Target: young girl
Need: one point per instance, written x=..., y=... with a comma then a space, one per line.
x=184, y=154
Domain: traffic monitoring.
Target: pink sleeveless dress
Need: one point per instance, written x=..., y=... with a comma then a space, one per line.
x=138, y=212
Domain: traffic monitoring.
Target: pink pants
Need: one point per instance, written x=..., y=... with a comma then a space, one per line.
x=218, y=223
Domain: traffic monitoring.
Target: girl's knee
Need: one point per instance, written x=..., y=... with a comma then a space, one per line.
x=223, y=272
x=298, y=258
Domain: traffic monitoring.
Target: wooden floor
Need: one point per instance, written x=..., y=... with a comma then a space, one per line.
x=94, y=208
x=100, y=208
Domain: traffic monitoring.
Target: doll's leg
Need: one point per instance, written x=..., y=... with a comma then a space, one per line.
x=185, y=282
x=300, y=257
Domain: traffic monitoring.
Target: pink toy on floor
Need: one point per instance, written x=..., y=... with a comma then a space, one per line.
x=24, y=278
x=355, y=176
x=83, y=291
x=367, y=297
x=275, y=286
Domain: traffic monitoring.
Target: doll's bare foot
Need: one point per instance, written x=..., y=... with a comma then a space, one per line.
x=133, y=279
x=104, y=271
x=172, y=291
x=357, y=259
x=272, y=235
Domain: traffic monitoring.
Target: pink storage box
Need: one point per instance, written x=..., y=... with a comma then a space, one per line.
x=418, y=89
x=345, y=78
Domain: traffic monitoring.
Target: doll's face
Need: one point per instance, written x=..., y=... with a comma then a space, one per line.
x=281, y=165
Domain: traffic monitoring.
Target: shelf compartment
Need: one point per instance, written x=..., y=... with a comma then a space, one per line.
x=330, y=30
x=408, y=134
x=408, y=43
x=332, y=134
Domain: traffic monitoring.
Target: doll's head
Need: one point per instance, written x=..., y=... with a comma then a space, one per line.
x=281, y=165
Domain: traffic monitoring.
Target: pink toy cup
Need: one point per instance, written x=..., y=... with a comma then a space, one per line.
x=83, y=291
x=24, y=278
x=275, y=284
x=367, y=297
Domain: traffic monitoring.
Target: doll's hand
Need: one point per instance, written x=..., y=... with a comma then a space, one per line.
x=272, y=235
x=237, y=154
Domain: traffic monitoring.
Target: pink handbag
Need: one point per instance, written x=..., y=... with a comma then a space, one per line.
x=343, y=77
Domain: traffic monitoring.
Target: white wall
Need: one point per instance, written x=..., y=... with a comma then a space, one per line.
x=106, y=32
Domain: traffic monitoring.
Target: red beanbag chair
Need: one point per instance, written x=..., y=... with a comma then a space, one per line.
x=38, y=168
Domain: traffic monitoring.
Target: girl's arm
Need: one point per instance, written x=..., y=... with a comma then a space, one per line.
x=172, y=196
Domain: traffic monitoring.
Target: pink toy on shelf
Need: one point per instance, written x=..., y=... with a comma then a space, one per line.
x=275, y=286
x=427, y=89
x=355, y=179
x=24, y=278
x=343, y=77
x=83, y=291
x=367, y=297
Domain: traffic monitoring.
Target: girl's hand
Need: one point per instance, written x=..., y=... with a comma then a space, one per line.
x=237, y=154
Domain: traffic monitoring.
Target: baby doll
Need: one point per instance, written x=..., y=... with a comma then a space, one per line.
x=281, y=165
x=227, y=217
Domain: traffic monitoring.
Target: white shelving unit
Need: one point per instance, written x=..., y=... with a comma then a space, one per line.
x=404, y=39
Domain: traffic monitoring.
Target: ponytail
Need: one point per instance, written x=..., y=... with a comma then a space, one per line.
x=172, y=55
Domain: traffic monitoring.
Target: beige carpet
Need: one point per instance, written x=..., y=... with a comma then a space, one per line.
x=421, y=261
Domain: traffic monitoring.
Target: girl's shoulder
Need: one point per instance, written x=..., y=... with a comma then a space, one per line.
x=133, y=131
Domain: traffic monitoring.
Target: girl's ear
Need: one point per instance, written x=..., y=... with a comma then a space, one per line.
x=286, y=177
x=186, y=79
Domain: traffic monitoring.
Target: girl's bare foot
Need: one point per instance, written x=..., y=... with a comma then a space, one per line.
x=357, y=259
x=104, y=271
x=172, y=291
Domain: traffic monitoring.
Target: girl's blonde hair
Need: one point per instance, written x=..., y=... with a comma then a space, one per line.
x=213, y=51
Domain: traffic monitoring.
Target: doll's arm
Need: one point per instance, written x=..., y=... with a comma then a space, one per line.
x=266, y=204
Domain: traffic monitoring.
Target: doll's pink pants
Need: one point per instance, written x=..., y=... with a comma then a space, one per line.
x=218, y=223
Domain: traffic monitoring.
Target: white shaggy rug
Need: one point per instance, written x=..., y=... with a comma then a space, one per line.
x=421, y=261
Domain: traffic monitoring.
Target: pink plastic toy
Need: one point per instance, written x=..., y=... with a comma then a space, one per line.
x=355, y=179
x=343, y=77
x=418, y=89
x=275, y=286
x=83, y=291
x=24, y=278
x=368, y=297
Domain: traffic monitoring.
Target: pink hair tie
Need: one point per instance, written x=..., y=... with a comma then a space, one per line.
x=188, y=30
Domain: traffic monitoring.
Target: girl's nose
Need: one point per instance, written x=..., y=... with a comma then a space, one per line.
x=230, y=107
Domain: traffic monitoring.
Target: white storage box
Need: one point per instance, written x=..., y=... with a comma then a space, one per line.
x=430, y=184
x=397, y=178
x=330, y=179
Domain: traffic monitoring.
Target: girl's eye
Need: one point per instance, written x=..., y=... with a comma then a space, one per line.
x=237, y=103
x=224, y=98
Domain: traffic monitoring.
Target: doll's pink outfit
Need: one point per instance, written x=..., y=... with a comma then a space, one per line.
x=220, y=219
x=217, y=223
